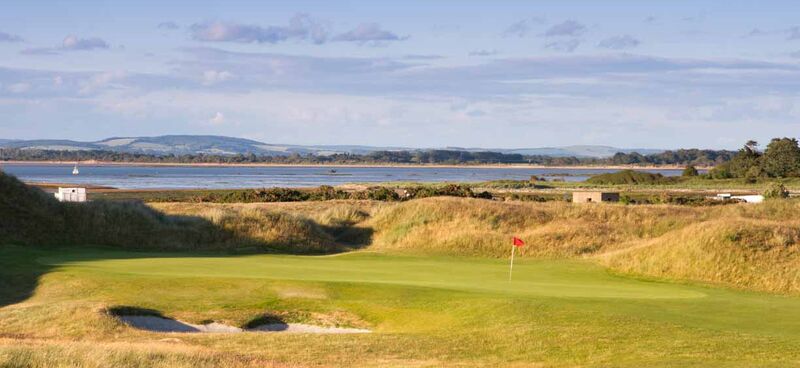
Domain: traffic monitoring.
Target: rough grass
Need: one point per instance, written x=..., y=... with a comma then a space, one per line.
x=69, y=354
x=750, y=247
x=553, y=229
x=32, y=217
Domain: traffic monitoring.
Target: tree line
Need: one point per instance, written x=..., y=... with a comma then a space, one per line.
x=780, y=159
x=446, y=157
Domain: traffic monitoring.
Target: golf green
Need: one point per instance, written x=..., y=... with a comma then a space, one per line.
x=438, y=310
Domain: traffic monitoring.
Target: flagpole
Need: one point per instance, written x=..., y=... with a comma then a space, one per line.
x=511, y=267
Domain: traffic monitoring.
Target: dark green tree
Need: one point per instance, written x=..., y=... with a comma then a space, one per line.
x=689, y=171
x=782, y=158
x=746, y=161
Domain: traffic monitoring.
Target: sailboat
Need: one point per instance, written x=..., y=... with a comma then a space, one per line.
x=75, y=170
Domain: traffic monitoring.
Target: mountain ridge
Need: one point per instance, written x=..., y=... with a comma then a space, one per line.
x=222, y=145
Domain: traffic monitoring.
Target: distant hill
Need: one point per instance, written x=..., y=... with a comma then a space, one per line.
x=582, y=151
x=220, y=145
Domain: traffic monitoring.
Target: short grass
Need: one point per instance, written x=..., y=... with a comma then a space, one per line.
x=424, y=310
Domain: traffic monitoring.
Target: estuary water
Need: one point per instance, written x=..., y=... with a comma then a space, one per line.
x=221, y=177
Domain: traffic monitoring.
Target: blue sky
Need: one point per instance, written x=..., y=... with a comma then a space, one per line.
x=663, y=74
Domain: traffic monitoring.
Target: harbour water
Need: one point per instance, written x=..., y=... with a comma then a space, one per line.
x=219, y=177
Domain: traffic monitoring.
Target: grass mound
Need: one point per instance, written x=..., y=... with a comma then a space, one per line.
x=554, y=229
x=31, y=217
x=753, y=248
x=28, y=214
x=630, y=177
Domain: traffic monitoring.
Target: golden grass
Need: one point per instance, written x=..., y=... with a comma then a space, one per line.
x=31, y=353
x=745, y=246
x=552, y=229
x=751, y=254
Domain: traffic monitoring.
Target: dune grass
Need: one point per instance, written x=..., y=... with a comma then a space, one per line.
x=424, y=311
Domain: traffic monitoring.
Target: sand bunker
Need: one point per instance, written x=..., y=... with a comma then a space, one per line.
x=159, y=324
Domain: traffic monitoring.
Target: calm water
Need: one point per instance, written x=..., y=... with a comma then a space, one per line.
x=140, y=177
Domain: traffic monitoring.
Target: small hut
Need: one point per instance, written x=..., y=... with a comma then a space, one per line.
x=71, y=194
x=593, y=197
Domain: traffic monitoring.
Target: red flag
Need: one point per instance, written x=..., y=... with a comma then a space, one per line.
x=518, y=242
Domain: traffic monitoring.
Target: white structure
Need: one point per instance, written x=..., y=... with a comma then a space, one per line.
x=754, y=198
x=71, y=194
x=750, y=198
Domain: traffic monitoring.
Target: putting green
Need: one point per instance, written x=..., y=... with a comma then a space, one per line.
x=536, y=278
x=439, y=310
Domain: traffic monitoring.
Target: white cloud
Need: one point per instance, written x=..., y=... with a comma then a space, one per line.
x=218, y=118
x=8, y=37
x=566, y=28
x=102, y=80
x=483, y=52
x=522, y=27
x=619, y=42
x=169, y=25
x=367, y=33
x=73, y=43
x=21, y=87
x=301, y=27
x=212, y=77
x=563, y=46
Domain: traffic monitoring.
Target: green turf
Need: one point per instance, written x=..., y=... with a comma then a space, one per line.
x=424, y=310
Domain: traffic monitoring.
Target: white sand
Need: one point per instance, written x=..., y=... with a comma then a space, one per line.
x=303, y=328
x=158, y=324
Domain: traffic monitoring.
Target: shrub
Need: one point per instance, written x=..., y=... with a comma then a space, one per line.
x=721, y=172
x=282, y=195
x=449, y=190
x=629, y=177
x=327, y=192
x=377, y=194
x=776, y=190
x=689, y=171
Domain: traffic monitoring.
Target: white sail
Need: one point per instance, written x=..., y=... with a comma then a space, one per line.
x=75, y=170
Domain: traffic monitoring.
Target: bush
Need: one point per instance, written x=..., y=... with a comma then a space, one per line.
x=776, y=190
x=377, y=194
x=721, y=172
x=449, y=190
x=629, y=177
x=626, y=199
x=689, y=171
x=327, y=193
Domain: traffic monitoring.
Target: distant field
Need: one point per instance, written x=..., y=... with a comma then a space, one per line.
x=424, y=311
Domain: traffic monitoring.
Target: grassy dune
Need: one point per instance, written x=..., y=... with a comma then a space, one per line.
x=554, y=229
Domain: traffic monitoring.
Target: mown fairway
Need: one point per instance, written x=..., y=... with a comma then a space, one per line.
x=424, y=311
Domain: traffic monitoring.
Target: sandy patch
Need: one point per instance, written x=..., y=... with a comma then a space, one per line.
x=158, y=324
x=304, y=328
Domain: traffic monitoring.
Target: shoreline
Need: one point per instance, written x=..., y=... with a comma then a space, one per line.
x=433, y=166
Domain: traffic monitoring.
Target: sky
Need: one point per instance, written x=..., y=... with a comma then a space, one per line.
x=428, y=73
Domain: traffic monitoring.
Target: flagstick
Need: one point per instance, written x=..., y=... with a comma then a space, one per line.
x=511, y=267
